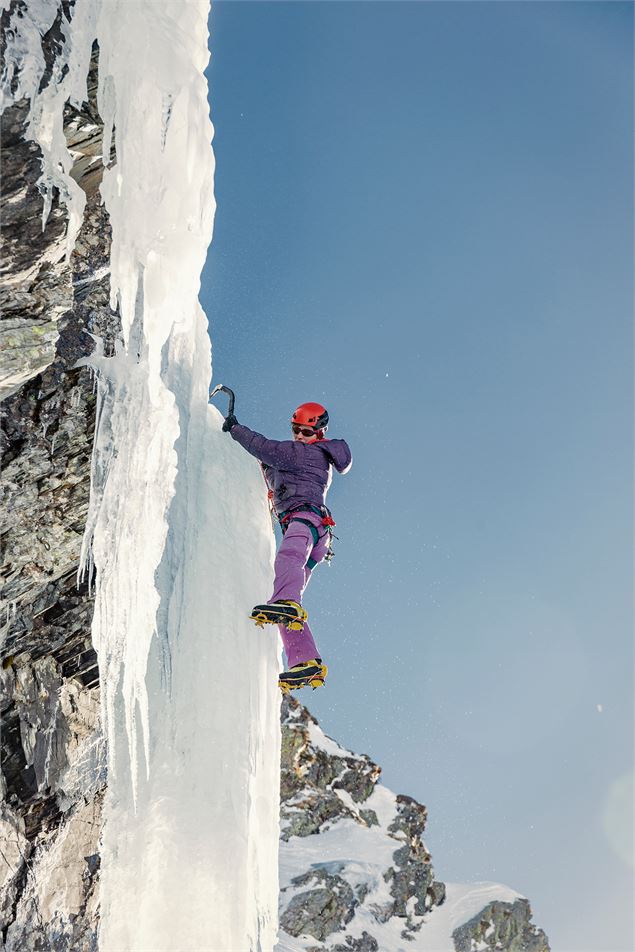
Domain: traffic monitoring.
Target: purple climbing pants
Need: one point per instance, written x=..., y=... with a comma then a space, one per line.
x=291, y=578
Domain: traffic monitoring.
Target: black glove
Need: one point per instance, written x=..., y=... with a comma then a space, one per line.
x=230, y=421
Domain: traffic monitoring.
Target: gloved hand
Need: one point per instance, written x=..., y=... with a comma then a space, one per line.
x=230, y=421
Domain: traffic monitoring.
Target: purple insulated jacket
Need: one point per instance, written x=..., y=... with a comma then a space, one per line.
x=297, y=472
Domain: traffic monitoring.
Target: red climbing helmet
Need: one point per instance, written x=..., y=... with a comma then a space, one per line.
x=311, y=414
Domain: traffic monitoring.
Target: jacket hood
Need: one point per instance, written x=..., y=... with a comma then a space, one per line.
x=337, y=452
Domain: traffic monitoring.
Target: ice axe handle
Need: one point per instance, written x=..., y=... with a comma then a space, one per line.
x=230, y=394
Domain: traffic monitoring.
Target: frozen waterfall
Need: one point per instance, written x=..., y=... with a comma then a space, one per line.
x=182, y=543
x=178, y=532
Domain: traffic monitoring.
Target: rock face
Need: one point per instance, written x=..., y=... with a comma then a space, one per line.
x=53, y=762
x=325, y=904
x=311, y=778
x=501, y=926
x=323, y=785
x=356, y=875
x=35, y=280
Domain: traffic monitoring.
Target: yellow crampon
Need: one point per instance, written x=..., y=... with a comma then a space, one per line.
x=298, y=625
x=314, y=681
x=264, y=617
x=261, y=619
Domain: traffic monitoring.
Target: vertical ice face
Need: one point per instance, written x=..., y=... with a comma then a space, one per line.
x=178, y=528
x=181, y=541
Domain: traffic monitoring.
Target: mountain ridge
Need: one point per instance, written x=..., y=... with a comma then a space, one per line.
x=355, y=873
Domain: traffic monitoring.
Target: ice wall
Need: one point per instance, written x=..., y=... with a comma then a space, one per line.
x=178, y=535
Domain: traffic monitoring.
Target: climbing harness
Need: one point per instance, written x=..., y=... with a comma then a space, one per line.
x=285, y=518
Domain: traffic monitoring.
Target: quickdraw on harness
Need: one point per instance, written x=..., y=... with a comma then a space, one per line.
x=272, y=508
x=284, y=518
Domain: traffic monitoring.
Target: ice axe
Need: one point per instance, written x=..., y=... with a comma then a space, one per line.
x=230, y=394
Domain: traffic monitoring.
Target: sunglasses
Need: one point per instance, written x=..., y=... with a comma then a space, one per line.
x=304, y=430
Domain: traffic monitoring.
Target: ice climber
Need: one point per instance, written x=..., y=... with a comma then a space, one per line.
x=298, y=473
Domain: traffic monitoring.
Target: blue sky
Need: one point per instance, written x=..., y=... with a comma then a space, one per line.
x=425, y=221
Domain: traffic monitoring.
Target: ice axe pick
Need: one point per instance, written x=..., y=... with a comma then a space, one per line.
x=230, y=394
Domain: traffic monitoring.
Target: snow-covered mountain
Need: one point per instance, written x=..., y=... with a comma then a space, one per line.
x=140, y=777
x=355, y=874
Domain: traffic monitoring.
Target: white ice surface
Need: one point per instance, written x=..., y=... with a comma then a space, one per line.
x=178, y=531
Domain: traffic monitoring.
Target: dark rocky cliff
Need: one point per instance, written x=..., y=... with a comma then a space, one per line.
x=52, y=765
